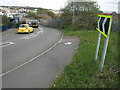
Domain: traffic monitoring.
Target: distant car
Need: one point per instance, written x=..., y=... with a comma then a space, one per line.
x=34, y=25
x=24, y=28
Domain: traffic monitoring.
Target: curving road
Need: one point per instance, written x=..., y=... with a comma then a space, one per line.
x=19, y=48
x=43, y=64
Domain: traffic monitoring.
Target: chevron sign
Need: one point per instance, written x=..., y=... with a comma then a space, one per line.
x=104, y=24
x=104, y=27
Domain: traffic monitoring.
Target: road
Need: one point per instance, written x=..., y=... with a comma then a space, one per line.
x=25, y=47
x=43, y=62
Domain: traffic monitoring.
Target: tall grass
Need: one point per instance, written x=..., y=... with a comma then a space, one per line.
x=83, y=71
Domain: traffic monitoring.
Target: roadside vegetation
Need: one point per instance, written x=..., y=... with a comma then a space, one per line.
x=85, y=16
x=84, y=71
x=41, y=14
x=4, y=20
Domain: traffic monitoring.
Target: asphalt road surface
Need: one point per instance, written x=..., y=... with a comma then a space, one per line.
x=21, y=48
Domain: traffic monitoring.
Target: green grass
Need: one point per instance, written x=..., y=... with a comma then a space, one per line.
x=83, y=71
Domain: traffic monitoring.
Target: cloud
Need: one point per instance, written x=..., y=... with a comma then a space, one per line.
x=105, y=5
x=108, y=5
x=49, y=4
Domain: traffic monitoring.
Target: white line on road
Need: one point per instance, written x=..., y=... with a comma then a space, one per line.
x=40, y=28
x=6, y=44
x=32, y=58
x=40, y=32
x=29, y=37
x=33, y=35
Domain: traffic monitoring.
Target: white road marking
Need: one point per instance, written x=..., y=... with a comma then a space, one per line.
x=6, y=44
x=40, y=28
x=32, y=58
x=40, y=32
x=29, y=37
x=33, y=35
x=68, y=43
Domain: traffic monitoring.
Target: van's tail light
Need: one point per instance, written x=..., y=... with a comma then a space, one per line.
x=18, y=28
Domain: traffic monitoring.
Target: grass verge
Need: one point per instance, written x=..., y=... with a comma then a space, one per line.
x=83, y=71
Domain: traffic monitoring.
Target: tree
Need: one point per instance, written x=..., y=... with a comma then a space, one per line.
x=45, y=11
x=50, y=13
x=0, y=20
x=85, y=13
x=5, y=20
x=114, y=12
x=31, y=14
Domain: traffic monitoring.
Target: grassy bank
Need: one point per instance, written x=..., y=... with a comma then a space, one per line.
x=83, y=71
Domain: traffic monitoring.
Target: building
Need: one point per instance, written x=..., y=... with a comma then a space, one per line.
x=54, y=11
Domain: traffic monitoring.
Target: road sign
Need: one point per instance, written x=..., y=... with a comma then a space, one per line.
x=104, y=27
x=104, y=24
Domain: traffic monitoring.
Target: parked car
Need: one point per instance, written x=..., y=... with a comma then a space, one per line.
x=24, y=28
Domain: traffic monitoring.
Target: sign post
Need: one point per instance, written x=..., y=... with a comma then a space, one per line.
x=104, y=27
x=99, y=38
x=98, y=45
x=104, y=53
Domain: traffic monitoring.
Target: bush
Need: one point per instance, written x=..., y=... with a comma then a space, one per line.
x=5, y=20
x=22, y=22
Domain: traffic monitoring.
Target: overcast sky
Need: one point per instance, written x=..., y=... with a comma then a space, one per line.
x=105, y=5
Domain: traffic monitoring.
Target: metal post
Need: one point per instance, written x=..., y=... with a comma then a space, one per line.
x=73, y=14
x=1, y=57
x=104, y=53
x=98, y=45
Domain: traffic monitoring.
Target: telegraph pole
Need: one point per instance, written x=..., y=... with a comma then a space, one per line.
x=73, y=14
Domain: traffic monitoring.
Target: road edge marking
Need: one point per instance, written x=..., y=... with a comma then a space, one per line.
x=34, y=57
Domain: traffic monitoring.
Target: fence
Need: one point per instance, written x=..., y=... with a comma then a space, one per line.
x=6, y=27
x=115, y=23
x=14, y=23
x=57, y=22
x=115, y=26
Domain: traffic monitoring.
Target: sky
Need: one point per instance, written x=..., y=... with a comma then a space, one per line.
x=108, y=5
x=105, y=5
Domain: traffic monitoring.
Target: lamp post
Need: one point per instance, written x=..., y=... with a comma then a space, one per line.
x=73, y=14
